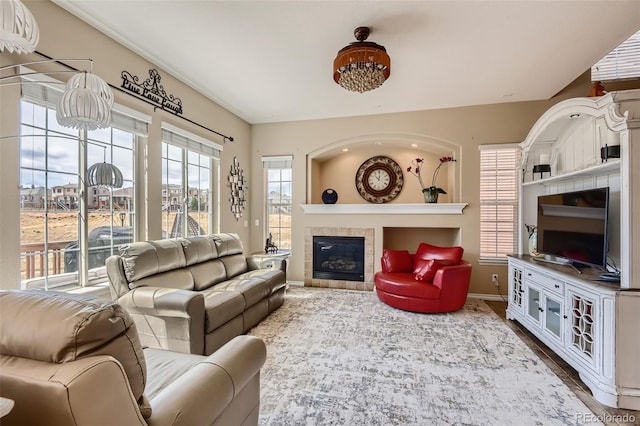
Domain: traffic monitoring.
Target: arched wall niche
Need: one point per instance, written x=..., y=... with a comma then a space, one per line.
x=334, y=165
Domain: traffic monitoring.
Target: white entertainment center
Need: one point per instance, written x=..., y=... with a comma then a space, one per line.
x=594, y=326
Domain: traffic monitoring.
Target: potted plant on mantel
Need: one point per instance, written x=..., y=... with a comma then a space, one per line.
x=430, y=192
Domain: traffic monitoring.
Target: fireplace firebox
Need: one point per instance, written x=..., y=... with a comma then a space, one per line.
x=338, y=258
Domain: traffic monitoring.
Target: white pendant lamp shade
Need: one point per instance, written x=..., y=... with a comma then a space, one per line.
x=104, y=174
x=86, y=103
x=18, y=28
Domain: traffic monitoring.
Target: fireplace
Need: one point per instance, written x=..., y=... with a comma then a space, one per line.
x=338, y=258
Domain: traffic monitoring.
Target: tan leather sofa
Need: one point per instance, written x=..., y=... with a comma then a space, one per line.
x=194, y=294
x=68, y=359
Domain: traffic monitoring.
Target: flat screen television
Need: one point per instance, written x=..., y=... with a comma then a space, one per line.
x=572, y=227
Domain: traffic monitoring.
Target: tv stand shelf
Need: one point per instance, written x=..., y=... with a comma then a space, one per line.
x=573, y=316
x=590, y=323
x=594, y=170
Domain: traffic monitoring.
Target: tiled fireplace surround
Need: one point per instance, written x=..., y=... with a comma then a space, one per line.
x=367, y=233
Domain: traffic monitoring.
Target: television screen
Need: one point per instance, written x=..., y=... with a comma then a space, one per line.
x=573, y=226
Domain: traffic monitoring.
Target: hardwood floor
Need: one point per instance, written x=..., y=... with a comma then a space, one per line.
x=607, y=415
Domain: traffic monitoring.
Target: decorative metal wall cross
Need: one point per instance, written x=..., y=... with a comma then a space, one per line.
x=152, y=90
x=238, y=186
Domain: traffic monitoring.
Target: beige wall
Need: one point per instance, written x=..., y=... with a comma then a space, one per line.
x=316, y=145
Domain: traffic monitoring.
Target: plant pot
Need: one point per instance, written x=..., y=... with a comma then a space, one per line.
x=430, y=196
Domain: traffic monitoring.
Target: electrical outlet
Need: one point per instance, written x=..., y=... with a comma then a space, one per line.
x=494, y=280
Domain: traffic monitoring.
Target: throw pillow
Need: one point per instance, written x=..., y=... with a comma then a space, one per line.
x=396, y=261
x=428, y=251
x=425, y=270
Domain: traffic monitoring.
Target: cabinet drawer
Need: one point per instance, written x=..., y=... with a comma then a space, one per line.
x=546, y=281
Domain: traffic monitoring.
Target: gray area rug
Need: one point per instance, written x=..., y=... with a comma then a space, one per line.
x=341, y=357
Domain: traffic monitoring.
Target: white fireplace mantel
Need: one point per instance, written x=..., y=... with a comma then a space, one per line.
x=426, y=208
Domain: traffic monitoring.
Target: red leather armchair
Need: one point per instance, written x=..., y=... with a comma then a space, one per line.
x=434, y=279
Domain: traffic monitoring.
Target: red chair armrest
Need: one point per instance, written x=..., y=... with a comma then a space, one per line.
x=453, y=277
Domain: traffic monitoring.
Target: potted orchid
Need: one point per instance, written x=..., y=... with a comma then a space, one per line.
x=430, y=192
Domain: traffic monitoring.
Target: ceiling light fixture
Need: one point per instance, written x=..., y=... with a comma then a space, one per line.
x=362, y=65
x=104, y=174
x=18, y=28
x=87, y=100
x=86, y=103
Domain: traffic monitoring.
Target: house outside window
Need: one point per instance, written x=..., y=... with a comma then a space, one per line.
x=278, y=204
x=188, y=164
x=50, y=171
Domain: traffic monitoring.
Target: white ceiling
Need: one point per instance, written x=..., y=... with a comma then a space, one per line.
x=270, y=61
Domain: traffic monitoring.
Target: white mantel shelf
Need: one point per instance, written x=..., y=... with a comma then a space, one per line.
x=426, y=208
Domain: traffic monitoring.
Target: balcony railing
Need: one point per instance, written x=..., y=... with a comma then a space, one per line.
x=34, y=258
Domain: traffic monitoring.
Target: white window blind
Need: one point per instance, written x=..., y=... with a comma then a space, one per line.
x=498, y=201
x=277, y=162
x=184, y=139
x=622, y=62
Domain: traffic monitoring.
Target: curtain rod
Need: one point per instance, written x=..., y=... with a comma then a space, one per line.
x=155, y=107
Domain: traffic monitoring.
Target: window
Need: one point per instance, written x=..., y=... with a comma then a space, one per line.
x=52, y=161
x=187, y=182
x=622, y=62
x=498, y=202
x=278, y=199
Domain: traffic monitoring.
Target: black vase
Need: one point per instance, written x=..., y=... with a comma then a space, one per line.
x=329, y=196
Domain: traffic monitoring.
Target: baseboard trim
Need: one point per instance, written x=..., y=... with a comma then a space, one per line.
x=482, y=296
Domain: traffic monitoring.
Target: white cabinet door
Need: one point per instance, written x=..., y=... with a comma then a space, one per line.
x=553, y=317
x=583, y=328
x=516, y=288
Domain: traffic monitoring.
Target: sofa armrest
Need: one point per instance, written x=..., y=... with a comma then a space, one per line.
x=167, y=318
x=206, y=391
x=453, y=277
x=118, y=284
x=169, y=302
x=260, y=262
x=86, y=392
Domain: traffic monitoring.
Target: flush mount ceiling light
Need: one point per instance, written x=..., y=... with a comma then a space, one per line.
x=86, y=103
x=362, y=65
x=18, y=28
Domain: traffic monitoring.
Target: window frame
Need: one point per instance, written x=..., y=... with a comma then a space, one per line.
x=281, y=162
x=82, y=196
x=189, y=144
x=502, y=199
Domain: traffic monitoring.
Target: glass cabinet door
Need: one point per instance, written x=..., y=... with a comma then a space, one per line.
x=533, y=304
x=553, y=317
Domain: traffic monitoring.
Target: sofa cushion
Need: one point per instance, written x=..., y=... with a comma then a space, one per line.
x=199, y=249
x=252, y=289
x=59, y=327
x=396, y=261
x=221, y=306
x=179, y=279
x=273, y=278
x=227, y=243
x=428, y=251
x=146, y=258
x=208, y=273
x=404, y=284
x=235, y=265
x=167, y=367
x=425, y=270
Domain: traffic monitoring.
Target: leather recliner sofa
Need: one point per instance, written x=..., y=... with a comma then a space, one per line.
x=194, y=294
x=434, y=279
x=71, y=359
